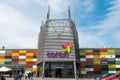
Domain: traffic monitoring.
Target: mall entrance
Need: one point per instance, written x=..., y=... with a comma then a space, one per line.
x=59, y=70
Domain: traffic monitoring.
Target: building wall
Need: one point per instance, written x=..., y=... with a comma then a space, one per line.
x=54, y=33
x=26, y=57
x=99, y=61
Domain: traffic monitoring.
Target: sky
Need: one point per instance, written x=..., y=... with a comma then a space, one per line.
x=97, y=21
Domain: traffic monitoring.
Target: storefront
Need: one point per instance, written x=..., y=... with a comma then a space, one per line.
x=59, y=70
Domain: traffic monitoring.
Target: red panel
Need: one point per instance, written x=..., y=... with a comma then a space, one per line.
x=83, y=66
x=89, y=59
x=2, y=57
x=90, y=72
x=8, y=54
x=117, y=53
x=104, y=59
x=103, y=50
x=31, y=63
x=29, y=66
x=89, y=62
x=97, y=68
x=82, y=62
x=15, y=51
x=14, y=63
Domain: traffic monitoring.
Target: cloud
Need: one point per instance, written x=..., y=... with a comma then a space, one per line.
x=106, y=32
x=16, y=29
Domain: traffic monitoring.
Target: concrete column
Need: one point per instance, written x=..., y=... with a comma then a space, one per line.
x=75, y=70
x=43, y=70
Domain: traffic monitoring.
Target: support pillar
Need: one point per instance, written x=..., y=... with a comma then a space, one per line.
x=75, y=73
x=43, y=70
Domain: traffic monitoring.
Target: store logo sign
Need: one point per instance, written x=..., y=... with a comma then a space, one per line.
x=63, y=54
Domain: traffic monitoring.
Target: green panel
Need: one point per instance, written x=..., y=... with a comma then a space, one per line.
x=2, y=54
x=89, y=66
x=28, y=69
x=82, y=53
x=7, y=63
x=104, y=72
x=117, y=50
x=96, y=59
x=112, y=69
x=8, y=60
x=1, y=63
x=8, y=51
x=111, y=62
x=117, y=62
x=96, y=50
x=111, y=59
x=117, y=69
x=22, y=62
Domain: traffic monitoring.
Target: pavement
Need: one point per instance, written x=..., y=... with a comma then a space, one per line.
x=51, y=79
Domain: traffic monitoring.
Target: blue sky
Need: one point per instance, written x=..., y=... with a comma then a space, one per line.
x=97, y=21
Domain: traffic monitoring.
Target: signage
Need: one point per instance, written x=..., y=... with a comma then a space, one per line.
x=63, y=54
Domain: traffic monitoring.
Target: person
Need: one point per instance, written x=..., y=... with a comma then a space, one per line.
x=2, y=77
x=31, y=75
x=20, y=75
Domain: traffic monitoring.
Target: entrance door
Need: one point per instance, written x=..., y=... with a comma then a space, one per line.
x=58, y=72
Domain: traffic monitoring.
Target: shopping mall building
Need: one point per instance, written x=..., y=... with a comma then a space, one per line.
x=59, y=56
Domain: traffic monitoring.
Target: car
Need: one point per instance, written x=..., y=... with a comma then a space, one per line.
x=109, y=76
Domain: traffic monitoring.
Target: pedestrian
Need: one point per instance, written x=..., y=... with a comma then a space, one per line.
x=31, y=75
x=2, y=77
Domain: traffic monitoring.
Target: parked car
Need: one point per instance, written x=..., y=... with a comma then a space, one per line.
x=110, y=76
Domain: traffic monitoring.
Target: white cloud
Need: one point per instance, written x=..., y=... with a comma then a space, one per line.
x=108, y=29
x=16, y=29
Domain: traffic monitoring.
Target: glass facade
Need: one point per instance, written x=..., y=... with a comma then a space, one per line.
x=59, y=70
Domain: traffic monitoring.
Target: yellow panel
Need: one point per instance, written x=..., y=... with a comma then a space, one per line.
x=82, y=53
x=111, y=66
x=22, y=51
x=34, y=69
x=96, y=56
x=29, y=60
x=103, y=53
x=111, y=50
x=2, y=60
x=96, y=62
x=118, y=72
x=83, y=69
x=89, y=51
x=15, y=54
x=29, y=54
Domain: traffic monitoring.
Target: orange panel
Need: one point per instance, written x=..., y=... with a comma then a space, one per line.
x=96, y=53
x=103, y=50
x=22, y=60
x=15, y=57
x=15, y=51
x=31, y=63
x=29, y=57
x=22, y=54
x=89, y=53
